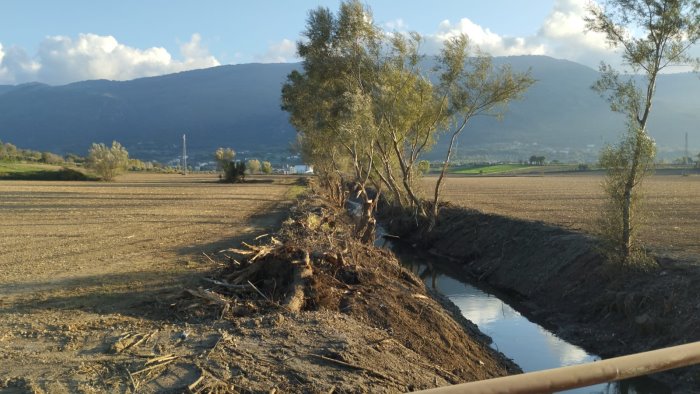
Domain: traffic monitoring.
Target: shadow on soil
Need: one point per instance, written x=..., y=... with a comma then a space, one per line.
x=115, y=293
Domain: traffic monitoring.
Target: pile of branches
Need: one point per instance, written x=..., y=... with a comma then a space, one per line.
x=286, y=270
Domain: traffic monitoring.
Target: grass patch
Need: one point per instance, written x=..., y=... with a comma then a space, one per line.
x=41, y=172
x=19, y=168
x=515, y=169
x=294, y=191
x=495, y=169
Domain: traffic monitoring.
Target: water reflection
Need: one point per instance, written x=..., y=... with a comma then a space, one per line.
x=528, y=344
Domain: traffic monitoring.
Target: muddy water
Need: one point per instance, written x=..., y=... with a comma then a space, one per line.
x=530, y=345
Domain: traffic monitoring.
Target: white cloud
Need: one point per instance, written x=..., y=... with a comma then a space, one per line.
x=62, y=59
x=487, y=40
x=279, y=52
x=561, y=35
x=396, y=25
x=16, y=64
x=564, y=32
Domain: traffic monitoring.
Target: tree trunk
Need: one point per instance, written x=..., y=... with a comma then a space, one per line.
x=627, y=224
x=367, y=225
x=432, y=220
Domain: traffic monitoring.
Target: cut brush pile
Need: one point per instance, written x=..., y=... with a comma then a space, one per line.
x=346, y=316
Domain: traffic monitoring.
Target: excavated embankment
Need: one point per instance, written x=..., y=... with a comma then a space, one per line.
x=347, y=315
x=558, y=278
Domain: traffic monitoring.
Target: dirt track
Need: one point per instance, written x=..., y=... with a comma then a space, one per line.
x=79, y=258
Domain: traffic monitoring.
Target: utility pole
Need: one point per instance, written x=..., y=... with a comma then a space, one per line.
x=184, y=155
x=686, y=156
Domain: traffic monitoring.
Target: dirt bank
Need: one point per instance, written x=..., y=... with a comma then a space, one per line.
x=558, y=279
x=301, y=310
x=390, y=334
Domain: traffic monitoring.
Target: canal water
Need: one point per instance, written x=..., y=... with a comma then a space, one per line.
x=530, y=345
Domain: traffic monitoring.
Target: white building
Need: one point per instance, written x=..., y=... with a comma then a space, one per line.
x=300, y=169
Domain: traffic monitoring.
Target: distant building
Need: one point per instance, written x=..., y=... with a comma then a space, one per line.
x=300, y=169
x=205, y=166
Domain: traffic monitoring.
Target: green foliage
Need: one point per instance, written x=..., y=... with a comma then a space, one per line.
x=253, y=166
x=424, y=167
x=266, y=167
x=492, y=169
x=663, y=32
x=73, y=158
x=108, y=162
x=234, y=172
x=223, y=156
x=365, y=110
x=10, y=153
x=537, y=160
x=623, y=207
x=38, y=172
x=50, y=158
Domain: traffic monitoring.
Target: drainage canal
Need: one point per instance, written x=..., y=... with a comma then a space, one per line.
x=530, y=345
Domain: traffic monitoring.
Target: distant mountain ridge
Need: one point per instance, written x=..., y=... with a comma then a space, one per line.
x=239, y=106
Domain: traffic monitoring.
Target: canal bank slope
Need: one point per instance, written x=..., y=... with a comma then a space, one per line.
x=397, y=337
x=559, y=280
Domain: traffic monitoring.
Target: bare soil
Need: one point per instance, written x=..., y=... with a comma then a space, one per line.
x=573, y=202
x=102, y=290
x=82, y=263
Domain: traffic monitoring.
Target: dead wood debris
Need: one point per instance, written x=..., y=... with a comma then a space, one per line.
x=311, y=264
x=130, y=341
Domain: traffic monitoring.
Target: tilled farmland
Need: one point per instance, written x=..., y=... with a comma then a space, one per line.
x=574, y=202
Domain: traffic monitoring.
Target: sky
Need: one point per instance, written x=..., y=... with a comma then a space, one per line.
x=58, y=42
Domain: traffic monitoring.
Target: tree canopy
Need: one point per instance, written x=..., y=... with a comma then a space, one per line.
x=108, y=162
x=652, y=35
x=366, y=108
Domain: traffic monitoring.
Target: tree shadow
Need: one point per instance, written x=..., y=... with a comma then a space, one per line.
x=106, y=294
x=143, y=294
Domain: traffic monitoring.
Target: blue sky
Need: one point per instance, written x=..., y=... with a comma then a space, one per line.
x=64, y=41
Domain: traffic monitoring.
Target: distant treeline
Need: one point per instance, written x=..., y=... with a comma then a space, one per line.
x=11, y=153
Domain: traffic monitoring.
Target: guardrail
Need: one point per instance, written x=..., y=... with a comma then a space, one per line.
x=575, y=376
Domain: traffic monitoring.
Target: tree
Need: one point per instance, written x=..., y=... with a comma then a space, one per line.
x=223, y=156
x=253, y=166
x=108, y=162
x=366, y=112
x=424, y=167
x=537, y=160
x=7, y=151
x=471, y=86
x=331, y=104
x=51, y=158
x=266, y=167
x=73, y=158
x=652, y=34
x=234, y=171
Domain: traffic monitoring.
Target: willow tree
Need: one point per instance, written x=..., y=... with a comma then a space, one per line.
x=108, y=162
x=470, y=86
x=364, y=107
x=330, y=101
x=652, y=35
x=411, y=114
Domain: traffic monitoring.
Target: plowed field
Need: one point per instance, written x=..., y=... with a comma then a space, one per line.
x=574, y=202
x=83, y=262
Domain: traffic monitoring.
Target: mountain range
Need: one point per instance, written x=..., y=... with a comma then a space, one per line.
x=239, y=106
